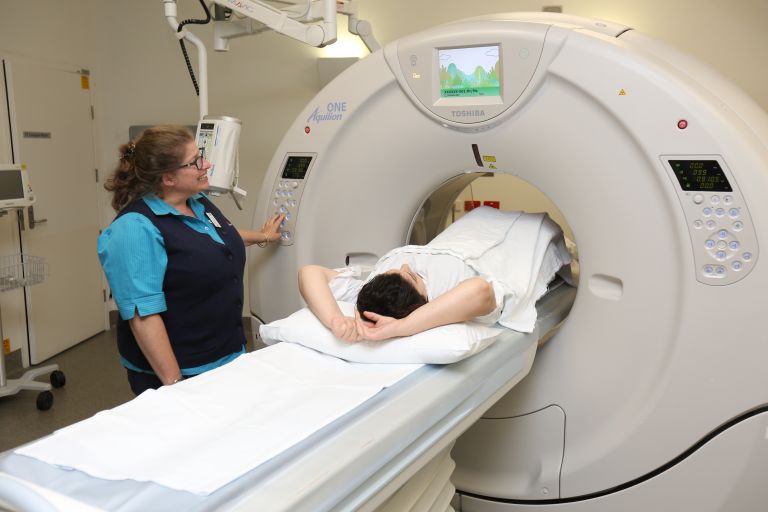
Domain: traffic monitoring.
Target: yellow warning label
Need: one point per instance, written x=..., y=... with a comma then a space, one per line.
x=85, y=82
x=622, y=92
x=489, y=158
x=7, y=346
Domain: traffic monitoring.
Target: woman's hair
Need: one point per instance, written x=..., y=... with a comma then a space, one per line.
x=143, y=162
x=389, y=295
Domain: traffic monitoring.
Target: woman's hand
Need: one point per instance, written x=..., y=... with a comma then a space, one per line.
x=271, y=228
x=378, y=327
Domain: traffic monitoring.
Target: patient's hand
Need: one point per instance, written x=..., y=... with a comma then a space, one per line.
x=346, y=328
x=379, y=327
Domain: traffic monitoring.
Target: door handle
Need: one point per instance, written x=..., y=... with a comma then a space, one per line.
x=32, y=220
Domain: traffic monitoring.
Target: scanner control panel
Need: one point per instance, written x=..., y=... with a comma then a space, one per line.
x=287, y=191
x=718, y=221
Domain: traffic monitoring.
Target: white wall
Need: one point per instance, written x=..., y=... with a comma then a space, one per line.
x=266, y=80
x=139, y=76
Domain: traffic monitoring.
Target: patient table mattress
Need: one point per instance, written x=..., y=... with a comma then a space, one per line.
x=343, y=464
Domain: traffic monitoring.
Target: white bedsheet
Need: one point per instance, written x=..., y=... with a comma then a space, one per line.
x=519, y=253
x=202, y=433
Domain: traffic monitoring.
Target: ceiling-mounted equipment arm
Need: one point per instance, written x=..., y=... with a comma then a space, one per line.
x=282, y=21
x=202, y=58
x=358, y=27
x=295, y=15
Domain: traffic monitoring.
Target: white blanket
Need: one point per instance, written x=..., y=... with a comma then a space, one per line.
x=202, y=433
x=520, y=252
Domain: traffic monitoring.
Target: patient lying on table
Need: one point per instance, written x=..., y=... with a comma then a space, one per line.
x=489, y=266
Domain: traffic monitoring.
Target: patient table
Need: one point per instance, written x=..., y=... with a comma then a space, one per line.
x=368, y=459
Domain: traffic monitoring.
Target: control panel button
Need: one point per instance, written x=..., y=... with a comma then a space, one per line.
x=698, y=198
x=706, y=211
x=714, y=199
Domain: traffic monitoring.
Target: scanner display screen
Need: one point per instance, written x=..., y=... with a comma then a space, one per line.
x=469, y=71
x=296, y=167
x=11, y=185
x=700, y=175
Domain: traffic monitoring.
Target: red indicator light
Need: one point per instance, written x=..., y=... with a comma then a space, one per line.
x=306, y=129
x=682, y=124
x=492, y=204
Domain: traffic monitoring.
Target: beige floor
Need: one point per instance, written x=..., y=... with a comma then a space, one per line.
x=94, y=381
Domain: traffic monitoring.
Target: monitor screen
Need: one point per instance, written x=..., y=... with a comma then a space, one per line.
x=700, y=175
x=296, y=167
x=469, y=71
x=11, y=184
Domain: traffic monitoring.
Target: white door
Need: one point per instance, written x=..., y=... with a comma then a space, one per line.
x=12, y=304
x=54, y=130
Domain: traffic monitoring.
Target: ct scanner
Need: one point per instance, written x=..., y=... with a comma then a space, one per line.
x=653, y=395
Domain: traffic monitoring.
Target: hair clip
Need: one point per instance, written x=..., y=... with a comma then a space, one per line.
x=128, y=152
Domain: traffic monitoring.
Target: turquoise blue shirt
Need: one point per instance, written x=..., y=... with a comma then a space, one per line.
x=132, y=254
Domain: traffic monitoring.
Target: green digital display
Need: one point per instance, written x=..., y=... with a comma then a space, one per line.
x=700, y=175
x=470, y=71
x=296, y=167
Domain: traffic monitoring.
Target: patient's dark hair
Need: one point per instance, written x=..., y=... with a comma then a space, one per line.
x=389, y=295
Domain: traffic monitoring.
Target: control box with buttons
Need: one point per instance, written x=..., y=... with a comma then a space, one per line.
x=718, y=221
x=287, y=191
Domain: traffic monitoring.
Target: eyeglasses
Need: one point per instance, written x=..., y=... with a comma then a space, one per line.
x=197, y=162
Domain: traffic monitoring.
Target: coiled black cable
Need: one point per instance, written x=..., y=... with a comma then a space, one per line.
x=184, y=48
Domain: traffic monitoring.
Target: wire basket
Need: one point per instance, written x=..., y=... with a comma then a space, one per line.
x=19, y=270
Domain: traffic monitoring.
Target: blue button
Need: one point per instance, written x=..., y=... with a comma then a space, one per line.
x=722, y=233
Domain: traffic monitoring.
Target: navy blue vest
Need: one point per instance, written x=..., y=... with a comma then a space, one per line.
x=203, y=289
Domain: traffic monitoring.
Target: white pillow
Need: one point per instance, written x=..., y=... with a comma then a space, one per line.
x=441, y=345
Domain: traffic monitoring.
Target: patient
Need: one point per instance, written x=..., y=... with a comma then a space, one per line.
x=394, y=302
x=415, y=288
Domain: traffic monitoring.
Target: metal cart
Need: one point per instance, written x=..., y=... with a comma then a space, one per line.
x=16, y=271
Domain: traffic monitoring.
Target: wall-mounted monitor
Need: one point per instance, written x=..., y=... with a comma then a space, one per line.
x=15, y=191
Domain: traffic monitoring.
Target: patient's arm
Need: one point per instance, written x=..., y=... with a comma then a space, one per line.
x=313, y=285
x=469, y=299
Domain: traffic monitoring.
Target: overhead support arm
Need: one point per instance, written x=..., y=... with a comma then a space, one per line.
x=280, y=21
x=202, y=56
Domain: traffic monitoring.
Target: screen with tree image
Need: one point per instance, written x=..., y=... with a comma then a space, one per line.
x=469, y=71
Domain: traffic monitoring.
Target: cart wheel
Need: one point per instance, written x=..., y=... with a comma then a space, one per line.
x=58, y=379
x=44, y=400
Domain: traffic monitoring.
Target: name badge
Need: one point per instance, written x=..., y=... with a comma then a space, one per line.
x=213, y=219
